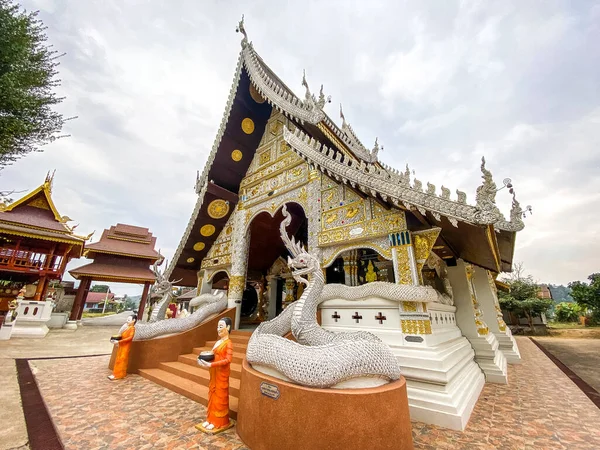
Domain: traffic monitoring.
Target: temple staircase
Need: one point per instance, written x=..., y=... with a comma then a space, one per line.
x=185, y=377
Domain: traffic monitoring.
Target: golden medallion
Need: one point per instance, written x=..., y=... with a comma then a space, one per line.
x=199, y=246
x=207, y=230
x=218, y=209
x=247, y=125
x=190, y=260
x=255, y=94
x=236, y=155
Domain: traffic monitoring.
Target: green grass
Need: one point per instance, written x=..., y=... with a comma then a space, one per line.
x=89, y=315
x=568, y=326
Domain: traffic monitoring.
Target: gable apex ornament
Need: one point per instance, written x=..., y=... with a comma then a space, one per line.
x=240, y=29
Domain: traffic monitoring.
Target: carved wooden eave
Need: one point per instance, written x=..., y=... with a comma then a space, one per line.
x=396, y=188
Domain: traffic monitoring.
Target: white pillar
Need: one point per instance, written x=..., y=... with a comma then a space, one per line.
x=240, y=242
x=485, y=291
x=470, y=320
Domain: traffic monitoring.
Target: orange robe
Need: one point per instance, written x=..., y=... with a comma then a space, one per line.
x=120, y=368
x=218, y=388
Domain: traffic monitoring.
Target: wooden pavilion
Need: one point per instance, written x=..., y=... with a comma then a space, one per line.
x=123, y=254
x=36, y=245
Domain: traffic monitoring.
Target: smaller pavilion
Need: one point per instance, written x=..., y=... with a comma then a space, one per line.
x=36, y=244
x=123, y=254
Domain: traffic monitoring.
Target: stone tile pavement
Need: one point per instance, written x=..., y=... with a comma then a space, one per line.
x=540, y=408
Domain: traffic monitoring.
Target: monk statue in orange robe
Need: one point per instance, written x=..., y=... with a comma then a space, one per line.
x=123, y=342
x=217, y=419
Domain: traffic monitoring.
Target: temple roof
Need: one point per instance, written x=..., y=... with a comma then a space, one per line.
x=338, y=153
x=35, y=216
x=108, y=271
x=125, y=240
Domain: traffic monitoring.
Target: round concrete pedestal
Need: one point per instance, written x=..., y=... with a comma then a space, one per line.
x=274, y=414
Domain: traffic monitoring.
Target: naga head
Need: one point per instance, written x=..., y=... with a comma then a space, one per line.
x=301, y=262
x=162, y=284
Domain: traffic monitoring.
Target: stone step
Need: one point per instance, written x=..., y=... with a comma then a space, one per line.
x=192, y=360
x=238, y=357
x=198, y=375
x=188, y=388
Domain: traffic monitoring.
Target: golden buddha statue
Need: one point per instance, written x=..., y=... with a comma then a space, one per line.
x=371, y=275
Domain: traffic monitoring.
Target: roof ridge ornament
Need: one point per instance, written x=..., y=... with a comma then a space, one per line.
x=310, y=101
x=240, y=29
x=485, y=197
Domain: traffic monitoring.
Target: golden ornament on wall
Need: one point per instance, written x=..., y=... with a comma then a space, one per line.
x=207, y=230
x=199, y=246
x=248, y=125
x=255, y=94
x=218, y=209
x=190, y=260
x=237, y=155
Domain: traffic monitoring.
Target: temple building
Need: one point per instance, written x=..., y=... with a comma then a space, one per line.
x=123, y=254
x=36, y=245
x=366, y=222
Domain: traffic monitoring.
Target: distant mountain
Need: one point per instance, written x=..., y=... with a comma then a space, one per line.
x=560, y=293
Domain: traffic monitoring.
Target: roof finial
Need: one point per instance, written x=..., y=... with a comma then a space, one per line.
x=49, y=179
x=342, y=117
x=240, y=29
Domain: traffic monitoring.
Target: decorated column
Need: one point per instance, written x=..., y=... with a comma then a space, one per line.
x=414, y=318
x=143, y=301
x=240, y=243
x=351, y=267
x=272, y=294
x=204, y=285
x=485, y=290
x=470, y=320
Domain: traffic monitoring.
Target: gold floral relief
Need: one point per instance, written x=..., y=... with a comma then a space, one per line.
x=237, y=155
x=207, y=230
x=416, y=326
x=248, y=125
x=237, y=284
x=409, y=306
x=218, y=209
x=264, y=157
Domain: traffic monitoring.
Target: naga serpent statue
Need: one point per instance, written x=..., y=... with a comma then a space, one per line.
x=206, y=305
x=319, y=358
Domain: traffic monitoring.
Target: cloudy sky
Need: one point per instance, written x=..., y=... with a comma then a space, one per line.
x=439, y=83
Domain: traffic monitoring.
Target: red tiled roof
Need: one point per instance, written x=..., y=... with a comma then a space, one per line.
x=97, y=297
x=125, y=240
x=32, y=216
x=113, y=272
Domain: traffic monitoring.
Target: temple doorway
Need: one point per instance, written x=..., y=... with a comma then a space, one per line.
x=269, y=284
x=360, y=266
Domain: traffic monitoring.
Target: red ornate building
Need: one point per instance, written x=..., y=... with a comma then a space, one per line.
x=36, y=245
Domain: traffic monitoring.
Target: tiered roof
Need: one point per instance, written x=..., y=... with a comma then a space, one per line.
x=35, y=216
x=477, y=232
x=123, y=253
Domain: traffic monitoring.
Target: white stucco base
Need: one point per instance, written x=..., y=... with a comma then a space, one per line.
x=70, y=325
x=491, y=360
x=31, y=319
x=508, y=346
x=443, y=381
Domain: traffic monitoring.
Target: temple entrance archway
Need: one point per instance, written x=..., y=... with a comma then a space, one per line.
x=268, y=282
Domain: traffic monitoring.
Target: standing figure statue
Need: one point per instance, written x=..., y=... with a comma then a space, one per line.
x=218, y=362
x=123, y=342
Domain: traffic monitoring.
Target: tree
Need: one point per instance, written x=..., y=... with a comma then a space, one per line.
x=567, y=312
x=100, y=288
x=523, y=299
x=27, y=80
x=588, y=295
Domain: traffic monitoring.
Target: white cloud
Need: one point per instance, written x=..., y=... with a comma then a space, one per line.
x=441, y=84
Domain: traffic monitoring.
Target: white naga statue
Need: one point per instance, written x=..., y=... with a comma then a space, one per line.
x=319, y=358
x=206, y=305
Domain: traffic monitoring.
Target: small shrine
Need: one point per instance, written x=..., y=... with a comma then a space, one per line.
x=36, y=244
x=123, y=254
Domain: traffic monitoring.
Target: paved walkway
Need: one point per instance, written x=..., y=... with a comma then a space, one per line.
x=107, y=321
x=582, y=356
x=540, y=408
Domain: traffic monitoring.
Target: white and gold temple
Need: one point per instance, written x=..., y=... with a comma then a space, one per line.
x=365, y=222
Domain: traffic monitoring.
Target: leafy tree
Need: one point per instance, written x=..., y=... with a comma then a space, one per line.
x=588, y=295
x=100, y=288
x=567, y=312
x=27, y=80
x=129, y=303
x=523, y=299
